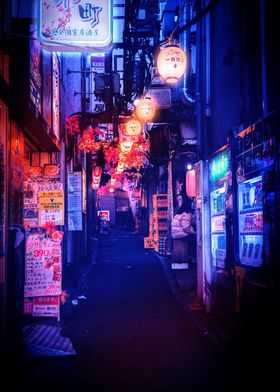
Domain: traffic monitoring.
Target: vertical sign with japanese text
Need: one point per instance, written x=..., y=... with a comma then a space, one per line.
x=75, y=201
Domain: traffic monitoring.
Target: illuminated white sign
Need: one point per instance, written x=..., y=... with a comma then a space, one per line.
x=68, y=25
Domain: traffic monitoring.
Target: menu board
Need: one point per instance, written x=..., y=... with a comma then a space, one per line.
x=31, y=200
x=43, y=265
x=51, y=207
x=75, y=201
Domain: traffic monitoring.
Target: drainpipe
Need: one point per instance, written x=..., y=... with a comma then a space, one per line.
x=263, y=58
x=198, y=84
x=207, y=65
x=185, y=42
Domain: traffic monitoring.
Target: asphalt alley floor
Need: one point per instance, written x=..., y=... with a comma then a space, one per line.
x=130, y=333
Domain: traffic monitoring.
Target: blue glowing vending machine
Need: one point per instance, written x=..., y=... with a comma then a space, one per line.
x=219, y=186
x=257, y=208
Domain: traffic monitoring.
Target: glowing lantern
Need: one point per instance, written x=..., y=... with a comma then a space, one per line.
x=133, y=128
x=126, y=146
x=190, y=183
x=171, y=63
x=96, y=177
x=146, y=109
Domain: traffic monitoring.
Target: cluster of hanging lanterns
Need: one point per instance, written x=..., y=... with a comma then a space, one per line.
x=171, y=63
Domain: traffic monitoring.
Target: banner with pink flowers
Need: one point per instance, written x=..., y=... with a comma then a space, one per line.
x=43, y=264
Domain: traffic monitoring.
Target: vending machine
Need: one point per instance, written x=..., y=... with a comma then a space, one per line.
x=219, y=178
x=256, y=202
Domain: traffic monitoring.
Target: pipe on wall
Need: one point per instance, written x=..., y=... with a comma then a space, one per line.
x=185, y=93
x=263, y=58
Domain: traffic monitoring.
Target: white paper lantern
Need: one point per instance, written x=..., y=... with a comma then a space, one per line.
x=133, y=128
x=145, y=109
x=126, y=146
x=171, y=63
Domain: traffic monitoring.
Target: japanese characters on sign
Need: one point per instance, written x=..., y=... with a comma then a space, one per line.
x=75, y=201
x=51, y=207
x=42, y=265
x=66, y=23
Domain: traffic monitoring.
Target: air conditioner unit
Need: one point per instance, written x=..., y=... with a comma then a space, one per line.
x=161, y=95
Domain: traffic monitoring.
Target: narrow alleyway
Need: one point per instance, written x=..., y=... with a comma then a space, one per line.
x=130, y=334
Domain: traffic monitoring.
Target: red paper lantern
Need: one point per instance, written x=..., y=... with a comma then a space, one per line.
x=96, y=177
x=190, y=183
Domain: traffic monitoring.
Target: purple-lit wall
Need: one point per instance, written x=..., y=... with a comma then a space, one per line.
x=236, y=78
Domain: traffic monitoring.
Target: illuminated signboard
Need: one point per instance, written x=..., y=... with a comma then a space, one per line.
x=55, y=92
x=67, y=25
x=219, y=166
x=35, y=72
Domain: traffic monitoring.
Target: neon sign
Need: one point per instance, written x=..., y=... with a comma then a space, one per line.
x=219, y=166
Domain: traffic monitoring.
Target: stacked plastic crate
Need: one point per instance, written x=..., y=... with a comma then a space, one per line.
x=160, y=222
x=149, y=241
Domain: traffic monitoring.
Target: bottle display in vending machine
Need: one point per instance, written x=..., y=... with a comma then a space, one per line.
x=218, y=227
x=250, y=212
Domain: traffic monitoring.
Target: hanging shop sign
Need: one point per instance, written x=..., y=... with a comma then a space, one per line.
x=42, y=266
x=51, y=207
x=35, y=65
x=55, y=95
x=84, y=192
x=69, y=25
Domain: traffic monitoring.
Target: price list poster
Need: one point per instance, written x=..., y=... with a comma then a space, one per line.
x=43, y=269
